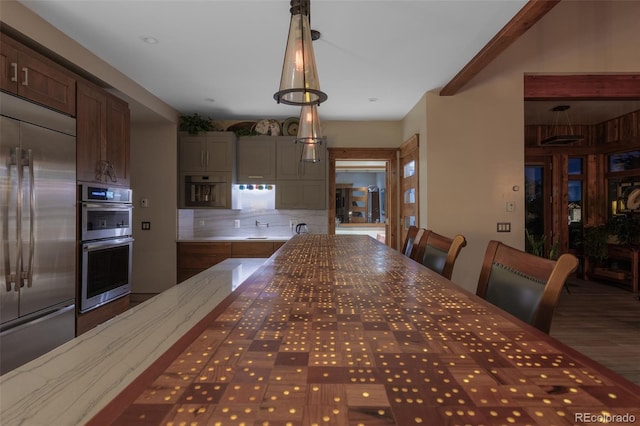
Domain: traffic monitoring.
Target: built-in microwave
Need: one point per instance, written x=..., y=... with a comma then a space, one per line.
x=105, y=212
x=211, y=191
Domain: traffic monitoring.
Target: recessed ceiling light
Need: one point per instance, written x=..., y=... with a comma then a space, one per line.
x=209, y=99
x=149, y=40
x=373, y=99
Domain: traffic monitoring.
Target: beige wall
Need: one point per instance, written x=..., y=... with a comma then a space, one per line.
x=154, y=177
x=370, y=134
x=474, y=140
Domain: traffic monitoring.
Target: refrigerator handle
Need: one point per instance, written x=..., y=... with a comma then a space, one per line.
x=9, y=277
x=20, y=170
x=32, y=215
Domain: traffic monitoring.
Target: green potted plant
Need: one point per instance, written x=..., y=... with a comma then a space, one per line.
x=194, y=124
x=594, y=242
x=626, y=228
x=534, y=243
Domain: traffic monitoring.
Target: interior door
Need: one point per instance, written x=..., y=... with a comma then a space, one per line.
x=409, y=199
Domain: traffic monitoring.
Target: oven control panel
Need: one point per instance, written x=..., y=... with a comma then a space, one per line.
x=106, y=194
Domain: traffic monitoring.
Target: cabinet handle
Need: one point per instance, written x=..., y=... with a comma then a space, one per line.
x=25, y=81
x=256, y=177
x=14, y=67
x=202, y=159
x=207, y=159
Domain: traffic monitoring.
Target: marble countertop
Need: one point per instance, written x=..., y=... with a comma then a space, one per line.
x=70, y=384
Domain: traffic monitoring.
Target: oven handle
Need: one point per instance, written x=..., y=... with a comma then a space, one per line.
x=108, y=206
x=106, y=243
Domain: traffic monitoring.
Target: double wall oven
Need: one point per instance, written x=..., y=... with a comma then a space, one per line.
x=106, y=244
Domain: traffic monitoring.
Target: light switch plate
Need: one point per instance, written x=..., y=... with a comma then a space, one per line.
x=146, y=226
x=504, y=227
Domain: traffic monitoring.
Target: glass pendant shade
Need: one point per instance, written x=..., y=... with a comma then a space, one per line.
x=309, y=134
x=299, y=84
x=310, y=152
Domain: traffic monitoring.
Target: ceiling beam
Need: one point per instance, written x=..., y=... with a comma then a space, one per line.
x=582, y=87
x=531, y=13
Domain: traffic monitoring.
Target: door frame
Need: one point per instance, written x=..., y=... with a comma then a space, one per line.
x=380, y=154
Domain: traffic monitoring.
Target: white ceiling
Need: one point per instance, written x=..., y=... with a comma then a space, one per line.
x=222, y=58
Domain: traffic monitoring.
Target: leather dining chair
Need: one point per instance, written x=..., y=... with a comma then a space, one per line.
x=439, y=253
x=409, y=240
x=525, y=285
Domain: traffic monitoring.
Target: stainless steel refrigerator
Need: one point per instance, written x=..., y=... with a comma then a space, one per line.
x=38, y=230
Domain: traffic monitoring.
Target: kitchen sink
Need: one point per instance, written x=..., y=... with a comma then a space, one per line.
x=257, y=238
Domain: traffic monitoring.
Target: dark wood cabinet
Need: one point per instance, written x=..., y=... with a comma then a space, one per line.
x=195, y=257
x=103, y=139
x=622, y=265
x=30, y=75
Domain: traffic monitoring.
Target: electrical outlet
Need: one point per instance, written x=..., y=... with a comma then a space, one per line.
x=511, y=206
x=144, y=202
x=293, y=223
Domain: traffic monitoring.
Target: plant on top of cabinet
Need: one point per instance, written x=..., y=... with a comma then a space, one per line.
x=195, y=124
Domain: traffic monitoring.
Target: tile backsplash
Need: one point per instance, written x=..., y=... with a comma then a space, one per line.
x=251, y=206
x=206, y=223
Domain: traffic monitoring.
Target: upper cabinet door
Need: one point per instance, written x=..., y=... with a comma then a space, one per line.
x=9, y=67
x=103, y=137
x=32, y=76
x=91, y=125
x=118, y=138
x=289, y=165
x=208, y=152
x=256, y=159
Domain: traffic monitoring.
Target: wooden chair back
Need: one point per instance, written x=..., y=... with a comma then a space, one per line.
x=439, y=253
x=525, y=285
x=409, y=240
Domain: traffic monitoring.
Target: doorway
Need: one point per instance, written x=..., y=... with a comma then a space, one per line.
x=363, y=192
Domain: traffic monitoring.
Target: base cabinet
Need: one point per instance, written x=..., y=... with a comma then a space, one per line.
x=195, y=257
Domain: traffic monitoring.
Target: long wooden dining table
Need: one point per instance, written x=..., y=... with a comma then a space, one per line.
x=343, y=330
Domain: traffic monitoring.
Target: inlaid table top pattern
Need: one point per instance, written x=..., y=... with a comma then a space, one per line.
x=342, y=330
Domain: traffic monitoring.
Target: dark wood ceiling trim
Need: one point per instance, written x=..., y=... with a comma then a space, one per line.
x=582, y=86
x=531, y=13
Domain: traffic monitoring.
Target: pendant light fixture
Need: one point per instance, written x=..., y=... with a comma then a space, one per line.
x=309, y=134
x=299, y=84
x=565, y=139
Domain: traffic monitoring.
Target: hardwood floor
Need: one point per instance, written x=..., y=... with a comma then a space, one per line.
x=603, y=322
